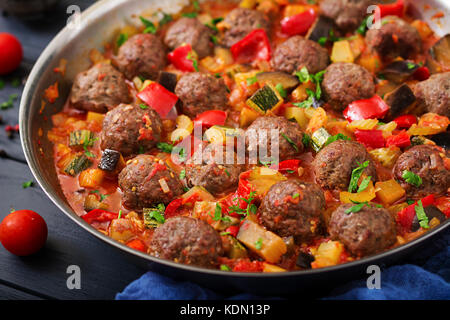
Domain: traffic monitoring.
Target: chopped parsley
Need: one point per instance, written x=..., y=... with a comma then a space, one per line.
x=412, y=178
x=165, y=19
x=258, y=244
x=252, y=80
x=196, y=5
x=281, y=90
x=421, y=215
x=357, y=207
x=251, y=208
x=295, y=195
x=410, y=201
x=10, y=103
x=306, y=140
x=313, y=96
x=214, y=39
x=165, y=147
x=218, y=214
x=190, y=14
x=153, y=217
x=363, y=26
x=194, y=60
x=364, y=184
x=120, y=214
x=143, y=106
x=123, y=37
x=89, y=143
x=293, y=145
x=336, y=137
x=227, y=172
x=149, y=26
x=102, y=196
x=224, y=267
x=182, y=174
x=411, y=65
x=27, y=184
x=356, y=174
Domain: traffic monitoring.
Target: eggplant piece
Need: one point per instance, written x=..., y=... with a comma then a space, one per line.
x=168, y=80
x=439, y=59
x=81, y=138
x=111, y=160
x=431, y=212
x=288, y=81
x=399, y=71
x=441, y=139
x=320, y=29
x=400, y=101
x=304, y=260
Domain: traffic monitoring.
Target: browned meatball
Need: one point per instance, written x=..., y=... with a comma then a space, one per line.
x=277, y=133
x=99, y=89
x=394, y=38
x=334, y=164
x=200, y=92
x=296, y=53
x=345, y=82
x=347, y=14
x=187, y=240
x=210, y=169
x=141, y=55
x=426, y=162
x=240, y=22
x=193, y=32
x=433, y=95
x=365, y=232
x=292, y=208
x=130, y=129
x=141, y=183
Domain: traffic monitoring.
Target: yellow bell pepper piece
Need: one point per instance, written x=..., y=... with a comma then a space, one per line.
x=342, y=52
x=364, y=196
x=389, y=191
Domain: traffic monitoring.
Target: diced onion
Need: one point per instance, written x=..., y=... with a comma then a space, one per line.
x=165, y=188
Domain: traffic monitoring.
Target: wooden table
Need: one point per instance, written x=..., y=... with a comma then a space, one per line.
x=104, y=272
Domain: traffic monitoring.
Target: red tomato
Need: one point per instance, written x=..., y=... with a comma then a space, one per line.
x=23, y=232
x=11, y=53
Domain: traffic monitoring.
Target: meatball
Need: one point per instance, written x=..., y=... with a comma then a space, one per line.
x=433, y=95
x=212, y=170
x=334, y=164
x=99, y=89
x=345, y=82
x=365, y=232
x=200, y=92
x=296, y=53
x=242, y=21
x=141, y=180
x=347, y=14
x=187, y=240
x=292, y=208
x=426, y=162
x=277, y=134
x=190, y=31
x=141, y=55
x=130, y=129
x=394, y=38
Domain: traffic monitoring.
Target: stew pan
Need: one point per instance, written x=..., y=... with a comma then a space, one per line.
x=94, y=27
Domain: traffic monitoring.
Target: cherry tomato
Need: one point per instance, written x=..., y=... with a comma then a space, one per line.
x=23, y=232
x=11, y=53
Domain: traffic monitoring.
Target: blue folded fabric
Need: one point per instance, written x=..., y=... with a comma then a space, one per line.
x=425, y=276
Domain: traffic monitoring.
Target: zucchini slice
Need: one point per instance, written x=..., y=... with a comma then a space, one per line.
x=81, y=138
x=319, y=138
x=78, y=164
x=265, y=100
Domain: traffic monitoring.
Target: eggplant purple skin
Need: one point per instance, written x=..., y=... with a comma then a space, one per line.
x=110, y=159
x=399, y=101
x=431, y=212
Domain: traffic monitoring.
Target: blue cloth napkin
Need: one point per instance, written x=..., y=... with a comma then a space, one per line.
x=425, y=276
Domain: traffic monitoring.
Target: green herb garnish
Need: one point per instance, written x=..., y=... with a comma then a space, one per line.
x=293, y=145
x=259, y=244
x=252, y=80
x=412, y=178
x=357, y=207
x=123, y=37
x=165, y=19
x=182, y=174
x=364, y=184
x=165, y=147
x=218, y=214
x=421, y=215
x=10, y=103
x=281, y=90
x=194, y=60
x=143, y=106
x=295, y=195
x=190, y=14
x=356, y=174
x=224, y=267
x=153, y=217
x=27, y=184
x=336, y=137
x=149, y=26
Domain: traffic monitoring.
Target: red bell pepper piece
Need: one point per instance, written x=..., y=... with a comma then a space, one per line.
x=401, y=140
x=373, y=108
x=234, y=199
x=233, y=230
x=443, y=204
x=286, y=165
x=422, y=74
x=211, y=118
x=248, y=266
x=406, y=216
x=392, y=9
x=255, y=46
x=298, y=24
x=158, y=98
x=182, y=58
x=172, y=208
x=137, y=244
x=370, y=138
x=99, y=215
x=405, y=121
